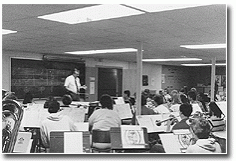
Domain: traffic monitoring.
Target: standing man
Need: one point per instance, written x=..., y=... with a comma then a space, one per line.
x=72, y=85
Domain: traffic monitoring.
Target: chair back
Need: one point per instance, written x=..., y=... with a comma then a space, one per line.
x=99, y=136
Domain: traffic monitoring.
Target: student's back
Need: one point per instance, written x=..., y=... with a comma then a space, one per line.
x=104, y=118
x=204, y=146
x=54, y=122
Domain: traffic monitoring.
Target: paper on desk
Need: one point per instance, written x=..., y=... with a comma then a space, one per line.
x=223, y=106
x=73, y=142
x=132, y=137
x=123, y=110
x=76, y=114
x=82, y=126
x=170, y=143
x=149, y=121
x=23, y=142
x=119, y=100
x=175, y=143
x=30, y=118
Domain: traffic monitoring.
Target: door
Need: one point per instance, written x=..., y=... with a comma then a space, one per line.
x=109, y=82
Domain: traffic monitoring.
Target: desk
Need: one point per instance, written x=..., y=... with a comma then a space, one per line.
x=34, y=114
x=175, y=142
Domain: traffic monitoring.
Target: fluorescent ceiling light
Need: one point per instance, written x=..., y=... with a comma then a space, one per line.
x=220, y=64
x=122, y=50
x=174, y=59
x=162, y=7
x=93, y=13
x=204, y=46
x=5, y=32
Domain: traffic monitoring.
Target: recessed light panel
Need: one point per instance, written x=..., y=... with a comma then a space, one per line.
x=174, y=59
x=5, y=32
x=204, y=46
x=122, y=50
x=93, y=13
x=222, y=64
x=162, y=7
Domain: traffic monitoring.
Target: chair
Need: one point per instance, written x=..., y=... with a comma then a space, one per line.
x=58, y=143
x=101, y=141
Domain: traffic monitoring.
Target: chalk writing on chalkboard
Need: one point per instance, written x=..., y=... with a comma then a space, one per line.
x=41, y=78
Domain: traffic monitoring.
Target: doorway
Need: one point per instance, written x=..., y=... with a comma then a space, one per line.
x=109, y=82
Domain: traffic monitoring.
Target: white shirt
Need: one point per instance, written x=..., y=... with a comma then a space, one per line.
x=70, y=83
x=196, y=108
x=104, y=119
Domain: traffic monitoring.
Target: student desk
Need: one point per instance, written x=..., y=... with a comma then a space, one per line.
x=35, y=113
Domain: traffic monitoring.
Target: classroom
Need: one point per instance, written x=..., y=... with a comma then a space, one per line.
x=114, y=79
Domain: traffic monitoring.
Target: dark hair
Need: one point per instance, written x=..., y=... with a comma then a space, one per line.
x=106, y=101
x=201, y=128
x=193, y=95
x=186, y=109
x=183, y=98
x=215, y=110
x=158, y=99
x=66, y=99
x=182, y=90
x=53, y=106
x=75, y=69
x=127, y=92
x=143, y=100
x=49, y=99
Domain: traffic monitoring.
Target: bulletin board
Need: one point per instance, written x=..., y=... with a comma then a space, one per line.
x=42, y=78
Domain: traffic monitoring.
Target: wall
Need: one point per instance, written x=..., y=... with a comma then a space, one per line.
x=129, y=72
x=202, y=75
x=175, y=77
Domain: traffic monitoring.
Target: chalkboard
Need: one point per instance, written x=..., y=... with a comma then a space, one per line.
x=42, y=78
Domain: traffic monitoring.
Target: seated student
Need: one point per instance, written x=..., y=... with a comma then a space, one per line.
x=200, y=130
x=174, y=106
x=144, y=109
x=173, y=92
x=49, y=99
x=104, y=118
x=185, y=111
x=183, y=98
x=66, y=100
x=54, y=122
x=204, y=100
x=197, y=106
x=159, y=106
x=167, y=95
x=127, y=98
x=161, y=93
